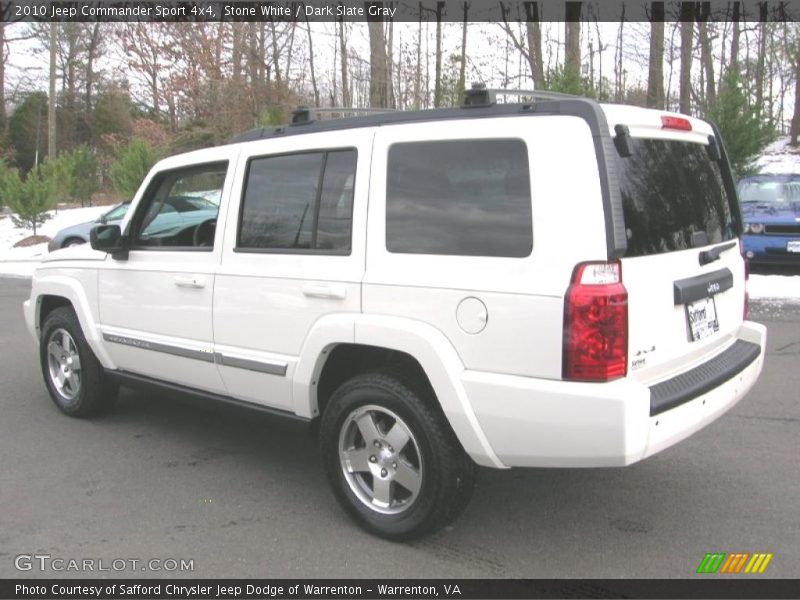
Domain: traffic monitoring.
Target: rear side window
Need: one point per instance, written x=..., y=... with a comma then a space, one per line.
x=673, y=197
x=459, y=197
x=299, y=202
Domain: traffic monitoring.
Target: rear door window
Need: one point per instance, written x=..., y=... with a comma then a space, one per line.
x=299, y=202
x=673, y=197
x=459, y=197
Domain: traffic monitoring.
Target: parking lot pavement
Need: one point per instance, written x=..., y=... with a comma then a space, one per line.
x=242, y=494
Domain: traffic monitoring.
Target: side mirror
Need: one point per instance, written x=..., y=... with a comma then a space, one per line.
x=108, y=238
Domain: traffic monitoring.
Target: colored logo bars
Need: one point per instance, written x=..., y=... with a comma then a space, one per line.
x=734, y=563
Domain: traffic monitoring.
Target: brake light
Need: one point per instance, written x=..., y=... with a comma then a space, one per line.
x=668, y=122
x=596, y=323
x=746, y=308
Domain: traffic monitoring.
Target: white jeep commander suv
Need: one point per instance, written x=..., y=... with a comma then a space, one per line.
x=554, y=283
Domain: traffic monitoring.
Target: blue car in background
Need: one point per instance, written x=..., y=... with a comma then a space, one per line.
x=771, y=213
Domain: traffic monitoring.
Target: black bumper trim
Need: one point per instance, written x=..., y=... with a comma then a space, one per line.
x=703, y=378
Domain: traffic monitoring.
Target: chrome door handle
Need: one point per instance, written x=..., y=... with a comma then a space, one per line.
x=322, y=290
x=190, y=281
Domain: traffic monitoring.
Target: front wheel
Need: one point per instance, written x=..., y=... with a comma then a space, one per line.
x=77, y=383
x=392, y=459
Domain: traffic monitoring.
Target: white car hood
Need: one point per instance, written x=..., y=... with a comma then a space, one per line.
x=80, y=252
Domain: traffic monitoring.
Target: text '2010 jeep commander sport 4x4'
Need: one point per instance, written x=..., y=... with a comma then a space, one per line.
x=554, y=283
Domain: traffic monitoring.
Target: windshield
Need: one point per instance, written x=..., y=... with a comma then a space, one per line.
x=673, y=197
x=116, y=214
x=769, y=191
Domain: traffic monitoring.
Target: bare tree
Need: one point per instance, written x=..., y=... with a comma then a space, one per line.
x=346, y=99
x=437, y=90
x=311, y=64
x=462, y=72
x=378, y=72
x=706, y=56
x=572, y=38
x=529, y=46
x=734, y=60
x=687, y=42
x=655, y=77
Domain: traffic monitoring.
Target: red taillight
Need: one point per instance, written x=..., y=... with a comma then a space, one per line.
x=675, y=123
x=596, y=323
x=746, y=308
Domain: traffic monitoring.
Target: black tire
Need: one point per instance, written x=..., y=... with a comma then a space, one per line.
x=95, y=392
x=446, y=473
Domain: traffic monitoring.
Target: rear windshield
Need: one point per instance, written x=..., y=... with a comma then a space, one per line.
x=673, y=197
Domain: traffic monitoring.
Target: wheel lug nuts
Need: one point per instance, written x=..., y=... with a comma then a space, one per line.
x=376, y=443
x=372, y=458
x=384, y=472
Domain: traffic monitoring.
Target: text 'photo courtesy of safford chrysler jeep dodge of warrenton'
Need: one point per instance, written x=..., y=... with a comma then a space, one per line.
x=404, y=281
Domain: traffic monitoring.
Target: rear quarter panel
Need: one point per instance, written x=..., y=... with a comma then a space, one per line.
x=523, y=296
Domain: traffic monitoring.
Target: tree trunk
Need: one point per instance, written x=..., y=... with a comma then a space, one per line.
x=734, y=61
x=707, y=60
x=437, y=90
x=655, y=77
x=311, y=64
x=795, y=129
x=761, y=58
x=687, y=42
x=2, y=78
x=572, y=38
x=462, y=72
x=534, y=31
x=346, y=100
x=51, y=107
x=94, y=43
x=418, y=73
x=378, y=71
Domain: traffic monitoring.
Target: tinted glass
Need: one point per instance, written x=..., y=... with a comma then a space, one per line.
x=336, y=202
x=299, y=201
x=117, y=214
x=673, y=197
x=459, y=197
x=179, y=212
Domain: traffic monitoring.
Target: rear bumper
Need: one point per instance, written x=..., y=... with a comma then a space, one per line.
x=541, y=423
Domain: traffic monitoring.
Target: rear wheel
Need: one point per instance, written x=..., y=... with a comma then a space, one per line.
x=392, y=459
x=77, y=383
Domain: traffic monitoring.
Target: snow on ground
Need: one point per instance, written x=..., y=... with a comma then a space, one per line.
x=22, y=261
x=780, y=288
x=779, y=157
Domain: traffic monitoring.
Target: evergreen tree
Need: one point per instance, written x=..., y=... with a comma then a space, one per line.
x=743, y=131
x=84, y=175
x=133, y=162
x=30, y=199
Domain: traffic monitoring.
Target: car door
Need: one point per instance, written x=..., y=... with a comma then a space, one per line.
x=155, y=307
x=294, y=255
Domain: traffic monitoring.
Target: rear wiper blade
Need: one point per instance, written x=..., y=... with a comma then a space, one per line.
x=709, y=256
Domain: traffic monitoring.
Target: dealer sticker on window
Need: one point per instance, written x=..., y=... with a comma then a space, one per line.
x=702, y=316
x=793, y=246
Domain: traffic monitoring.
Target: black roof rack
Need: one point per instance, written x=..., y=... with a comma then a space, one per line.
x=308, y=114
x=480, y=101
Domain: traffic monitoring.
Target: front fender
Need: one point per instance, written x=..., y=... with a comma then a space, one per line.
x=426, y=344
x=80, y=289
